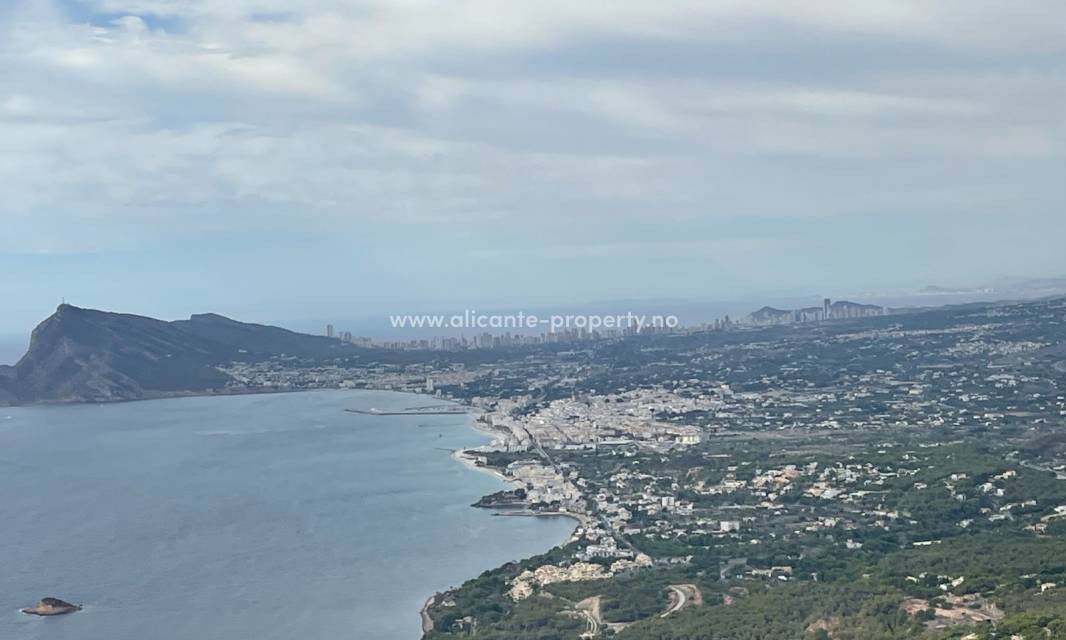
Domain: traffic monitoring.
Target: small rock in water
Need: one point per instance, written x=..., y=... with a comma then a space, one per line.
x=51, y=607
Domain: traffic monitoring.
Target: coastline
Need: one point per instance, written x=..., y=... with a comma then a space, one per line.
x=462, y=456
x=174, y=395
x=427, y=622
x=446, y=566
x=465, y=458
x=447, y=556
x=211, y=393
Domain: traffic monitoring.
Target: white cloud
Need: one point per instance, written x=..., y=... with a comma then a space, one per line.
x=388, y=27
x=157, y=115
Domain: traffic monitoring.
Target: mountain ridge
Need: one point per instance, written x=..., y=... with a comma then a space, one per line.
x=87, y=355
x=838, y=310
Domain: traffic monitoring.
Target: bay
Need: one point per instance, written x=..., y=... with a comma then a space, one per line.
x=277, y=516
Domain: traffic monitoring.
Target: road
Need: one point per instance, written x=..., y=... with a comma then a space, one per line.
x=677, y=599
x=681, y=595
x=590, y=608
x=598, y=516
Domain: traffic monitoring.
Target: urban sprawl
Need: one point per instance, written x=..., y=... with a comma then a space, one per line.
x=842, y=471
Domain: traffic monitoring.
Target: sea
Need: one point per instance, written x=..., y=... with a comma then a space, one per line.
x=275, y=516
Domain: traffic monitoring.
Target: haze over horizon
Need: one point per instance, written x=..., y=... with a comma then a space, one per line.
x=375, y=323
x=750, y=313
x=277, y=163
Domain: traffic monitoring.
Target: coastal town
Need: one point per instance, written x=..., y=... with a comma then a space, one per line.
x=745, y=458
x=542, y=320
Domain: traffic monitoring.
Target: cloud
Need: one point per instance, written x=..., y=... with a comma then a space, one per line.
x=125, y=120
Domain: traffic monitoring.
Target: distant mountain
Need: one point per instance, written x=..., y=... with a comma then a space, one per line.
x=84, y=355
x=847, y=309
x=937, y=290
x=769, y=315
x=839, y=310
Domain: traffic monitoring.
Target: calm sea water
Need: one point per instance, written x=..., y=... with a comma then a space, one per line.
x=246, y=517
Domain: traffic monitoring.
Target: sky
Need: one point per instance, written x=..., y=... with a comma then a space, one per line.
x=277, y=161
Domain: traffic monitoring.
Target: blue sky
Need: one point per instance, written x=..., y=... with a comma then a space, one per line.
x=279, y=161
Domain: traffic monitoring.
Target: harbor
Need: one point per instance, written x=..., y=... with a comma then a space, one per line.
x=436, y=410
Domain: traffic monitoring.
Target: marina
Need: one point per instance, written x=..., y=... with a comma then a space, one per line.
x=437, y=410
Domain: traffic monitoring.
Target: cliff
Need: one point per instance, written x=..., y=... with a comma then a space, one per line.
x=85, y=355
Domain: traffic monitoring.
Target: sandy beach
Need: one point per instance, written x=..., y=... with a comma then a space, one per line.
x=466, y=457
